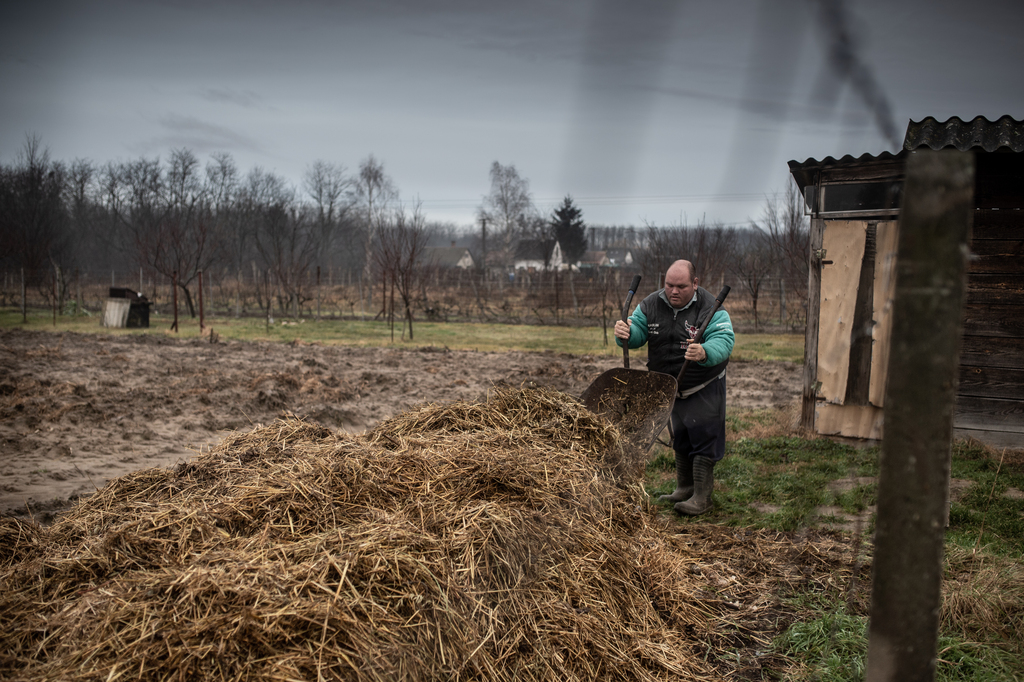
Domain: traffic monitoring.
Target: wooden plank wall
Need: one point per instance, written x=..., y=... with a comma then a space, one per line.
x=885, y=292
x=844, y=247
x=841, y=279
x=990, y=397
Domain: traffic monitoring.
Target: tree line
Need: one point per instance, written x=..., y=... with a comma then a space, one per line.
x=179, y=217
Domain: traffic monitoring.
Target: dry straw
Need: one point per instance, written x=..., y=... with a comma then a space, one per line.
x=498, y=540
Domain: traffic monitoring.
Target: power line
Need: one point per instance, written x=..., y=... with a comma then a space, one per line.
x=611, y=200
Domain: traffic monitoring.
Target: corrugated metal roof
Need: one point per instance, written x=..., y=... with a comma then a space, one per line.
x=803, y=171
x=848, y=160
x=1007, y=132
x=979, y=133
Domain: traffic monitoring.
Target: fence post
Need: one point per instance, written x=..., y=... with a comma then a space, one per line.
x=174, y=293
x=201, y=324
x=782, y=301
x=266, y=279
x=24, y=303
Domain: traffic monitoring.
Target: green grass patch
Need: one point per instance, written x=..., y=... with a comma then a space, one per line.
x=833, y=647
x=785, y=347
x=453, y=335
x=780, y=482
x=987, y=513
x=456, y=336
x=784, y=482
x=830, y=648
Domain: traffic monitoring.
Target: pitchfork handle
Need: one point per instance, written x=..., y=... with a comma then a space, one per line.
x=699, y=336
x=625, y=315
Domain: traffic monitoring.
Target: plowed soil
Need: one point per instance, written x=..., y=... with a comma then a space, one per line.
x=77, y=410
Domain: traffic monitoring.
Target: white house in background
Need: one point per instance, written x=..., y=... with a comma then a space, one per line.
x=538, y=254
x=448, y=257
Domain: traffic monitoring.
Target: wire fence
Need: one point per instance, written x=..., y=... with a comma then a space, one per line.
x=568, y=298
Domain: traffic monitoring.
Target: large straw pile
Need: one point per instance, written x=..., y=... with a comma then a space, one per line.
x=501, y=540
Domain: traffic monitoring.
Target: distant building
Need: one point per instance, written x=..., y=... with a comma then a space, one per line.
x=594, y=259
x=619, y=257
x=538, y=254
x=448, y=257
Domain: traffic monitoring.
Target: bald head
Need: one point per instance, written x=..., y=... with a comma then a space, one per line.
x=680, y=269
x=680, y=283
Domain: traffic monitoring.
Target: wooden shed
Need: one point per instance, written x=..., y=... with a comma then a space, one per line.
x=854, y=205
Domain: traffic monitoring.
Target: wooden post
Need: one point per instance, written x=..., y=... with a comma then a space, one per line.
x=810, y=391
x=201, y=325
x=24, y=300
x=782, y=302
x=174, y=293
x=238, y=293
x=557, y=306
x=913, y=485
x=318, y=293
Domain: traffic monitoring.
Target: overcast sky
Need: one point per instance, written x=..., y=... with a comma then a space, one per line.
x=647, y=111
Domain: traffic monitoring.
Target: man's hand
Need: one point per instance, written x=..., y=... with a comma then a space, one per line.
x=622, y=330
x=695, y=352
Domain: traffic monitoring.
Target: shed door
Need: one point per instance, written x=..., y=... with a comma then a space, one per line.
x=857, y=286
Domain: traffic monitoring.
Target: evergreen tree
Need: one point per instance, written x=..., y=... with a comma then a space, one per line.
x=570, y=231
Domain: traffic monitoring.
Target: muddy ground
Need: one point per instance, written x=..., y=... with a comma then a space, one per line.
x=77, y=410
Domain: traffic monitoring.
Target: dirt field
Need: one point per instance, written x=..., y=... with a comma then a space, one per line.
x=78, y=410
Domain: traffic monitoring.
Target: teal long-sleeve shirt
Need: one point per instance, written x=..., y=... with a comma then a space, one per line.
x=718, y=341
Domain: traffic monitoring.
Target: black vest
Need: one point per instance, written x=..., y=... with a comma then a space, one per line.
x=668, y=331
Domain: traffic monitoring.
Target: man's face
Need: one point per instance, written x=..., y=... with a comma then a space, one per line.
x=679, y=287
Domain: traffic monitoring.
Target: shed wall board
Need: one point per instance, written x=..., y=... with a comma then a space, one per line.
x=992, y=351
x=852, y=421
x=885, y=292
x=990, y=413
x=809, y=397
x=995, y=439
x=843, y=242
x=990, y=382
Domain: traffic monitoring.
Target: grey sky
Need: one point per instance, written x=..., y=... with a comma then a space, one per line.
x=646, y=111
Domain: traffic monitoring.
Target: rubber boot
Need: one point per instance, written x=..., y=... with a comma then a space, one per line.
x=684, y=481
x=703, y=484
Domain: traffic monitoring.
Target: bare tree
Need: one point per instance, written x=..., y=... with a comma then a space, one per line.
x=166, y=215
x=89, y=241
x=172, y=229
x=753, y=265
x=708, y=247
x=287, y=238
x=787, y=228
x=399, y=252
x=225, y=192
x=376, y=192
x=34, y=222
x=509, y=208
x=330, y=190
